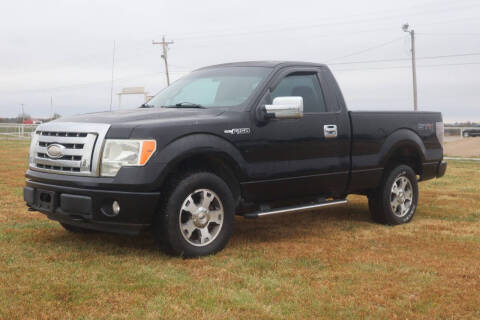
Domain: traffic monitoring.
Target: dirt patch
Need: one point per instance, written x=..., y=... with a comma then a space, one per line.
x=466, y=147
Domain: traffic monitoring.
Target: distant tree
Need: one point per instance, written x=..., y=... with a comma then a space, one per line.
x=462, y=124
x=55, y=116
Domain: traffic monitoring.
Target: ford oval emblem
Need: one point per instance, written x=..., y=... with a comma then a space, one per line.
x=55, y=151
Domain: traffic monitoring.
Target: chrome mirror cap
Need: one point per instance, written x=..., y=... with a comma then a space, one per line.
x=285, y=108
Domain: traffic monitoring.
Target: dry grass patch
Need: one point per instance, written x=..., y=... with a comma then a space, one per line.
x=463, y=147
x=332, y=263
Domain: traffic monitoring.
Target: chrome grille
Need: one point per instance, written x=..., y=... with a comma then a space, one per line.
x=71, y=158
x=81, y=147
x=66, y=145
x=62, y=134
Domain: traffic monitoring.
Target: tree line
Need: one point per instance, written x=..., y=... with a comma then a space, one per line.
x=20, y=118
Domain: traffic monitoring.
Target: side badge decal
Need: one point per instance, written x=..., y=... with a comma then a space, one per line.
x=238, y=131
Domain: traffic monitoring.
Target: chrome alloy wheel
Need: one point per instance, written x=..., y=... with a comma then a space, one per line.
x=201, y=217
x=401, y=196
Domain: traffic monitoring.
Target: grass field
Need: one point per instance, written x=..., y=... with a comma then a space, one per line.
x=462, y=147
x=332, y=263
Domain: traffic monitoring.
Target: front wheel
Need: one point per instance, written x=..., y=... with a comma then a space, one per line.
x=197, y=217
x=395, y=200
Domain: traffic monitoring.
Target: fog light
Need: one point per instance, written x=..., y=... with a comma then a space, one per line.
x=115, y=208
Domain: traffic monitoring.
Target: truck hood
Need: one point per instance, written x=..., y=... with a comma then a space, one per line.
x=139, y=116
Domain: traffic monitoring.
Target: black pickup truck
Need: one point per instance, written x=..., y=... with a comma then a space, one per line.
x=471, y=132
x=252, y=139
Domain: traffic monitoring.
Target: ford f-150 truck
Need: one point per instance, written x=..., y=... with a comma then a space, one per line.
x=252, y=139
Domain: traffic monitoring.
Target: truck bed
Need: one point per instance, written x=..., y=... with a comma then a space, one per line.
x=375, y=133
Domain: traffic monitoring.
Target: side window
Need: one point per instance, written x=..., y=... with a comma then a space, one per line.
x=305, y=85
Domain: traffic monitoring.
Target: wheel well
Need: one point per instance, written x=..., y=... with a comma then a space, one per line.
x=406, y=155
x=218, y=164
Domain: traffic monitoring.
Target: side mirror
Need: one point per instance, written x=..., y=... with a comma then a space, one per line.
x=285, y=108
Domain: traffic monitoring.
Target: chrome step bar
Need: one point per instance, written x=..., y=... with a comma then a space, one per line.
x=300, y=208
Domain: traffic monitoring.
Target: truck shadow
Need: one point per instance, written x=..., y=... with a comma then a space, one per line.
x=299, y=225
x=286, y=227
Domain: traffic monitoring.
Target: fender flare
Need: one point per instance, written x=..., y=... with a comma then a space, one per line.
x=398, y=139
x=199, y=144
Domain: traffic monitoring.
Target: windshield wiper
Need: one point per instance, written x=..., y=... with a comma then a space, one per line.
x=146, y=105
x=186, y=105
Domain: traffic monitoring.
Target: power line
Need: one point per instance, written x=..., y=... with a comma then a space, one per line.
x=444, y=5
x=276, y=26
x=330, y=34
x=343, y=21
x=294, y=28
x=452, y=55
x=87, y=84
x=449, y=34
x=408, y=67
x=405, y=59
x=309, y=26
x=366, y=50
x=186, y=71
x=449, y=21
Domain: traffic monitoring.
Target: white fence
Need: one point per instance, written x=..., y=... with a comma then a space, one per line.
x=16, y=131
x=456, y=131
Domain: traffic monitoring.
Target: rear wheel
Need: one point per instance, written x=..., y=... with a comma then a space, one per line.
x=197, y=217
x=395, y=200
x=466, y=134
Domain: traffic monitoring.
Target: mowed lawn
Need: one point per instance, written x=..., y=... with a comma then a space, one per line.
x=331, y=263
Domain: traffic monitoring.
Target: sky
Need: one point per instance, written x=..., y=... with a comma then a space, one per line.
x=56, y=56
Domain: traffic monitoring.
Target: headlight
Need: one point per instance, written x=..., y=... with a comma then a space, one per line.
x=121, y=153
x=33, y=145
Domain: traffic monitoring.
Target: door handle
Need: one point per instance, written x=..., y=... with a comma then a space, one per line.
x=330, y=130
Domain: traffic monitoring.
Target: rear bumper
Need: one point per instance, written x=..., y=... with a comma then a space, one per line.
x=432, y=170
x=92, y=208
x=441, y=169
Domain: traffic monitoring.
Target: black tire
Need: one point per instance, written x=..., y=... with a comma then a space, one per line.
x=167, y=227
x=75, y=229
x=466, y=134
x=382, y=200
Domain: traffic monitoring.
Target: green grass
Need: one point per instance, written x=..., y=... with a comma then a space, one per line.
x=331, y=263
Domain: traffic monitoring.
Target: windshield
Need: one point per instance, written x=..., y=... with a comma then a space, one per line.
x=210, y=88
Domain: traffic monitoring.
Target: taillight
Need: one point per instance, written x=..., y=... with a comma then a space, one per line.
x=440, y=132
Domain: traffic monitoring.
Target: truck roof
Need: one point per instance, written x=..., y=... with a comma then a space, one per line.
x=268, y=64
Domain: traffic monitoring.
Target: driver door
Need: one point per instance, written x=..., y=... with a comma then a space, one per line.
x=299, y=157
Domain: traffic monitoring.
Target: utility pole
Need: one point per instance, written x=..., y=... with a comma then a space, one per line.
x=51, y=106
x=113, y=69
x=164, y=55
x=23, y=113
x=405, y=28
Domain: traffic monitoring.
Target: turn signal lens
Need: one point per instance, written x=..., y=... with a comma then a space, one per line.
x=148, y=148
